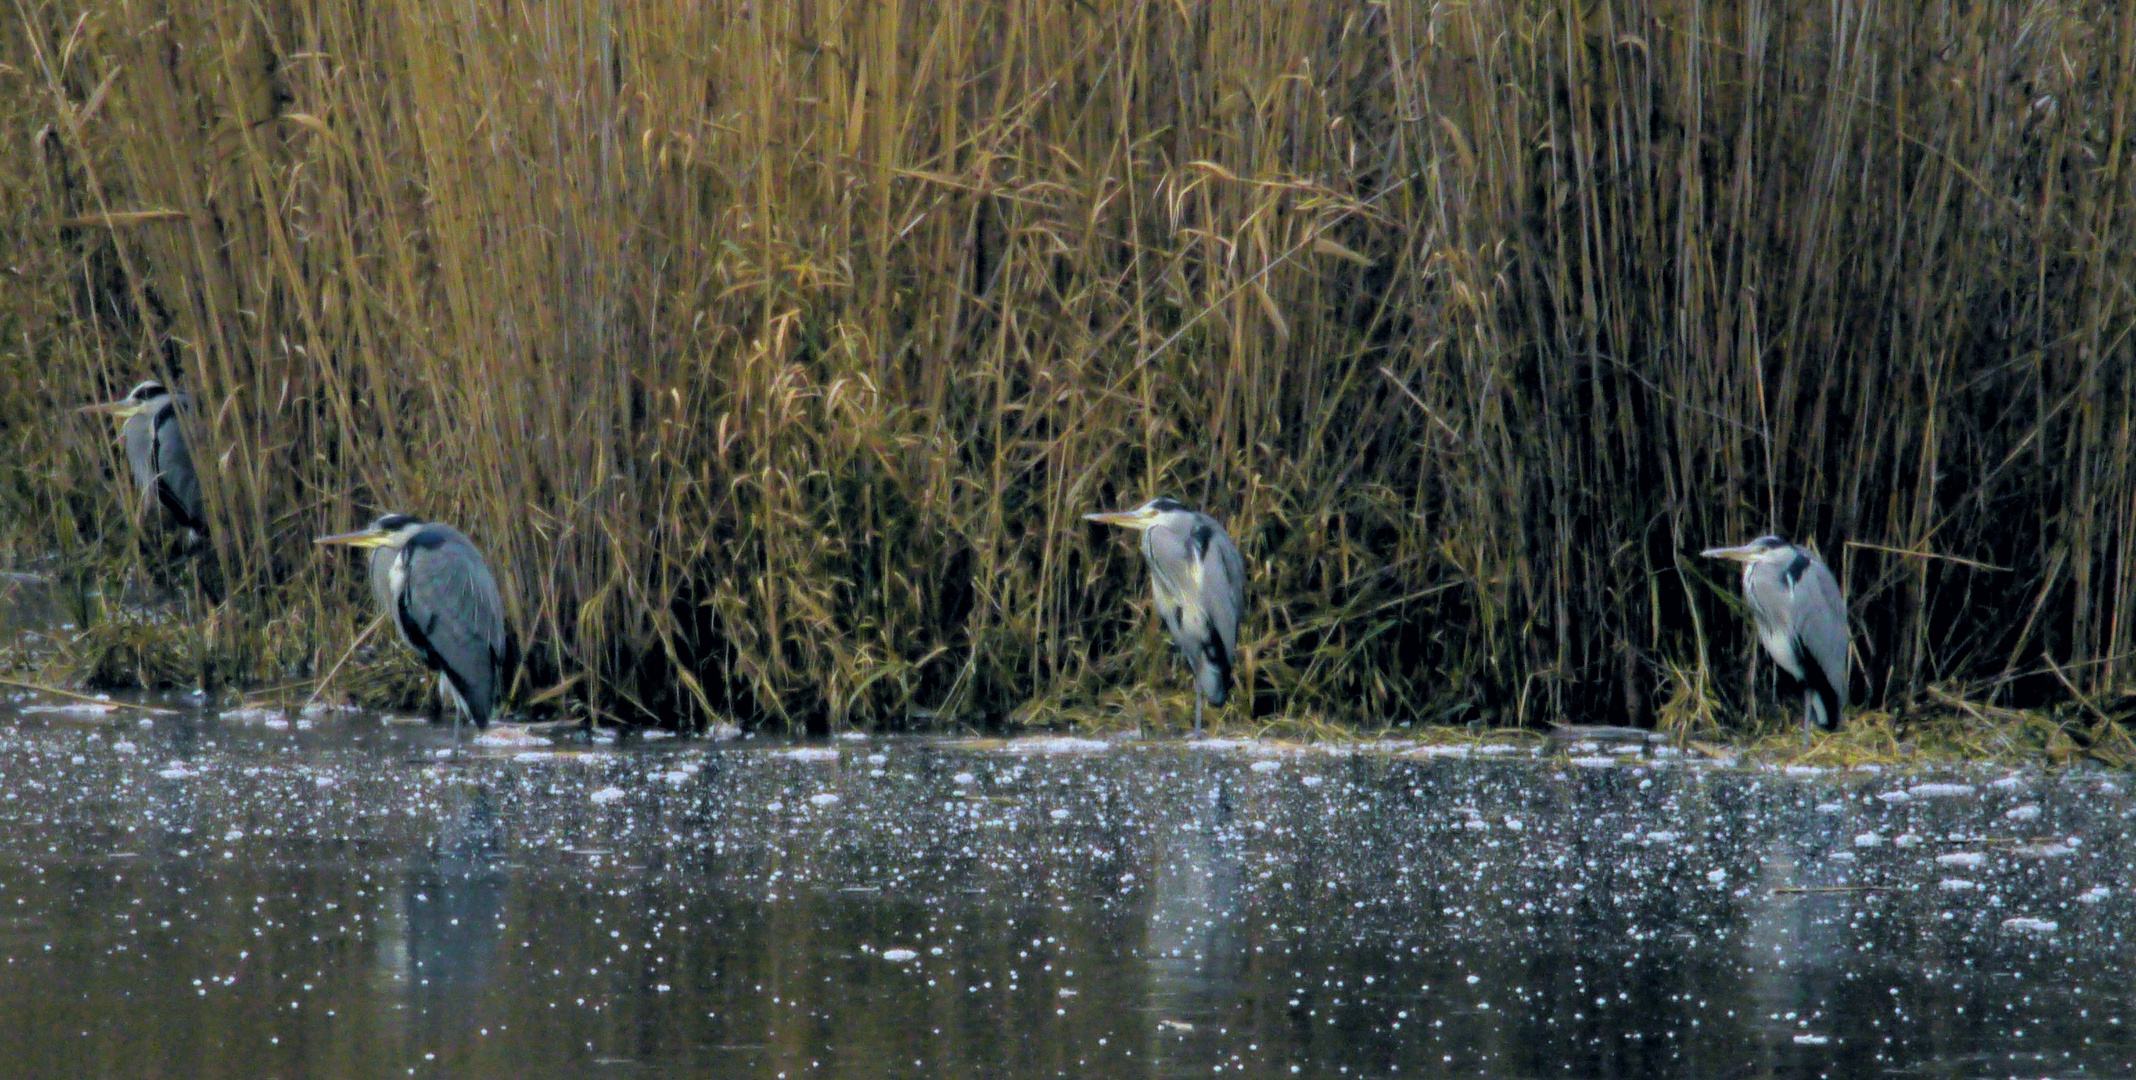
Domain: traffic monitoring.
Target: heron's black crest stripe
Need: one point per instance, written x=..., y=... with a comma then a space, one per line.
x=395, y=522
x=429, y=539
x=1202, y=535
x=1165, y=506
x=1795, y=570
x=1819, y=683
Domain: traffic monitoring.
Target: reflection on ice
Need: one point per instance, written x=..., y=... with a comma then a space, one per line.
x=250, y=900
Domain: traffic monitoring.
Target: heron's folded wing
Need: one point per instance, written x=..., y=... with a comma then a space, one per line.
x=452, y=599
x=1823, y=628
x=178, y=485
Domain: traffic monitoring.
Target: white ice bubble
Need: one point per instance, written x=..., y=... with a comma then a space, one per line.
x=1265, y=766
x=899, y=956
x=1966, y=859
x=1952, y=884
x=2027, y=812
x=2094, y=895
x=607, y=795
x=824, y=799
x=1869, y=839
x=2026, y=922
x=1940, y=791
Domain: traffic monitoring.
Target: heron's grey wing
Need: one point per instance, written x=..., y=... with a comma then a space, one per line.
x=1223, y=585
x=1222, y=597
x=1821, y=624
x=451, y=613
x=178, y=486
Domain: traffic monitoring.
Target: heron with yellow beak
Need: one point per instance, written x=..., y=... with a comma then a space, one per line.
x=156, y=454
x=1199, y=581
x=434, y=586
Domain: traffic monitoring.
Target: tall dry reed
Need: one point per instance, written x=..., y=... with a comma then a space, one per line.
x=773, y=350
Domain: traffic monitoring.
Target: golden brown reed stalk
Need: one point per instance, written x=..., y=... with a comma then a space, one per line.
x=771, y=351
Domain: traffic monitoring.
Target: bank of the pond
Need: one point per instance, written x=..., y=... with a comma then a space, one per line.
x=772, y=353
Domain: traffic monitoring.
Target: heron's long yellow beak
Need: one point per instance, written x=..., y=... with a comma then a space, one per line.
x=1127, y=519
x=361, y=538
x=116, y=409
x=1741, y=553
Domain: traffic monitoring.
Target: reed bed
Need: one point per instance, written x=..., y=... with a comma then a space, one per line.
x=772, y=351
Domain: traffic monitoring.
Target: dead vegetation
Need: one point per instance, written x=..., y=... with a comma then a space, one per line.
x=771, y=351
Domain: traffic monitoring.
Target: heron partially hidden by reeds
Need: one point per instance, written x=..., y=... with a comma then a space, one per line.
x=1200, y=584
x=434, y=586
x=1801, y=620
x=156, y=454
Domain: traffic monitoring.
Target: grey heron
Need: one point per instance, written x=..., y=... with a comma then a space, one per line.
x=156, y=453
x=1801, y=620
x=432, y=583
x=1199, y=581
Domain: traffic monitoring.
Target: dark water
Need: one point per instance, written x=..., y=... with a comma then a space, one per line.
x=221, y=897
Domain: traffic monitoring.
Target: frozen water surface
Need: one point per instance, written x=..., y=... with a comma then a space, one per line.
x=214, y=896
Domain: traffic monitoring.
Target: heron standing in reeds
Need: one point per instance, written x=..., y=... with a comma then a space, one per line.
x=162, y=467
x=1200, y=584
x=1801, y=620
x=432, y=583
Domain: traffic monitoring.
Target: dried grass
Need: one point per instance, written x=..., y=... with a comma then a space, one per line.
x=772, y=350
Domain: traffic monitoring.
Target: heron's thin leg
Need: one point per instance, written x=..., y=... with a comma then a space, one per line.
x=1197, y=706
